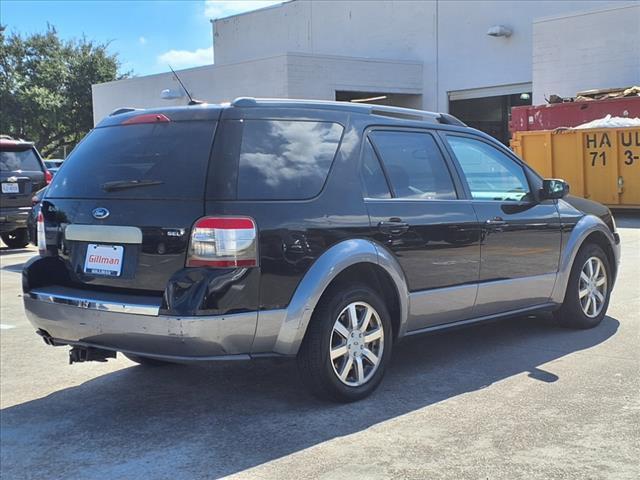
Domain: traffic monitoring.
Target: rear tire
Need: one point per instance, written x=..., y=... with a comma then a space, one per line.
x=341, y=359
x=146, y=361
x=16, y=239
x=588, y=291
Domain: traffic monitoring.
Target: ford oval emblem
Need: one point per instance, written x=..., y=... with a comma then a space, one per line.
x=100, y=213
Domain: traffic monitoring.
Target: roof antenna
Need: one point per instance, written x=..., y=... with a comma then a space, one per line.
x=191, y=100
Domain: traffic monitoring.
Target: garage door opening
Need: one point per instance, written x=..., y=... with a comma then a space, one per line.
x=380, y=98
x=489, y=113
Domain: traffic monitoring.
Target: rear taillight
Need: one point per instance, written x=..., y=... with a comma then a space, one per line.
x=223, y=242
x=48, y=176
x=42, y=236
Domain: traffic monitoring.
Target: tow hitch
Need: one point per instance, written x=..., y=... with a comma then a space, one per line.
x=89, y=354
x=79, y=354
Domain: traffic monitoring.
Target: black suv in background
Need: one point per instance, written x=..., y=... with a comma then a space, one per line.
x=22, y=173
x=324, y=231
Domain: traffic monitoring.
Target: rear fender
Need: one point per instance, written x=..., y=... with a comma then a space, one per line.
x=319, y=277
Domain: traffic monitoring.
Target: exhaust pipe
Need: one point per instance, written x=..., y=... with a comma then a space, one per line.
x=48, y=339
x=89, y=354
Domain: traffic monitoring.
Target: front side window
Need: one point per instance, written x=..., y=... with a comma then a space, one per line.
x=285, y=160
x=490, y=174
x=414, y=165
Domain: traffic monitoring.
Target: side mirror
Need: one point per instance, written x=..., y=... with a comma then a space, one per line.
x=553, y=188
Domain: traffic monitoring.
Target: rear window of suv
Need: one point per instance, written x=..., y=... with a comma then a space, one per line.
x=280, y=159
x=168, y=160
x=19, y=161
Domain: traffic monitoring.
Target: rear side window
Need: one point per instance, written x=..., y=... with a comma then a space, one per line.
x=166, y=160
x=414, y=165
x=285, y=160
x=374, y=181
x=19, y=161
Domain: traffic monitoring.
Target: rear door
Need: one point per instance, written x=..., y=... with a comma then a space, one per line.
x=121, y=209
x=21, y=174
x=416, y=213
x=521, y=236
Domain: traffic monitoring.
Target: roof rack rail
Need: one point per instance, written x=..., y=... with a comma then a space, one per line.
x=372, y=109
x=118, y=111
x=244, y=102
x=448, y=119
x=402, y=112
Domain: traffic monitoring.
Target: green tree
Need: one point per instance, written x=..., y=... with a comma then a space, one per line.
x=45, y=86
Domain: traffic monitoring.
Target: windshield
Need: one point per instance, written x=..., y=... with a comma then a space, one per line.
x=164, y=160
x=19, y=161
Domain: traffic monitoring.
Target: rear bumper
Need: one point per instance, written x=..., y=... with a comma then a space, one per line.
x=13, y=218
x=78, y=317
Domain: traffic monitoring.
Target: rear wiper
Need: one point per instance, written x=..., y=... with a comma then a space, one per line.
x=124, y=184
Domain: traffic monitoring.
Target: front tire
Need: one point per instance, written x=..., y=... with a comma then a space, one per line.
x=347, y=345
x=16, y=239
x=589, y=290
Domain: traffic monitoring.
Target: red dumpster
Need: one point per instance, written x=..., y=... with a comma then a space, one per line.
x=570, y=114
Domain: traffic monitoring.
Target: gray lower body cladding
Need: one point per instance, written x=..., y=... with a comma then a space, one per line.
x=194, y=338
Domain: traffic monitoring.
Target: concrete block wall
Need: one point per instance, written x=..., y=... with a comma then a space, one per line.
x=319, y=76
x=448, y=37
x=212, y=83
x=283, y=76
x=426, y=49
x=598, y=49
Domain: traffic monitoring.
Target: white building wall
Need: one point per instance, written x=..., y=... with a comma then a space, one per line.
x=282, y=76
x=585, y=51
x=448, y=37
x=319, y=76
x=262, y=33
x=426, y=49
x=213, y=84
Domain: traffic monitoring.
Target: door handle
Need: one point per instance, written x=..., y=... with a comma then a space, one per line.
x=393, y=226
x=496, y=222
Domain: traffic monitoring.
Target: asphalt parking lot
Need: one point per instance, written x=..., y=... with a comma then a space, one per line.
x=520, y=398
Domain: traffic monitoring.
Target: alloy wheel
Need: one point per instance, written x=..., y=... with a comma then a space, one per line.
x=357, y=343
x=592, y=287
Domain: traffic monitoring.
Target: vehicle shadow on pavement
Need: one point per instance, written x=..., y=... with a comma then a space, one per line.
x=217, y=419
x=625, y=219
x=17, y=268
x=15, y=251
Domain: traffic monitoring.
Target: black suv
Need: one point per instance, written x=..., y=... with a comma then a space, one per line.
x=322, y=230
x=22, y=172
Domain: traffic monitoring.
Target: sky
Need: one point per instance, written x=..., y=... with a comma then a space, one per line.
x=147, y=35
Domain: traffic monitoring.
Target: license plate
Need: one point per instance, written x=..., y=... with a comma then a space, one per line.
x=104, y=260
x=10, y=188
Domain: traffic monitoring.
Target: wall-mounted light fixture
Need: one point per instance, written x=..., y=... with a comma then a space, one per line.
x=499, y=31
x=525, y=96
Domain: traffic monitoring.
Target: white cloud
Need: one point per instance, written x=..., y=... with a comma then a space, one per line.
x=187, y=58
x=142, y=40
x=224, y=8
x=212, y=9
